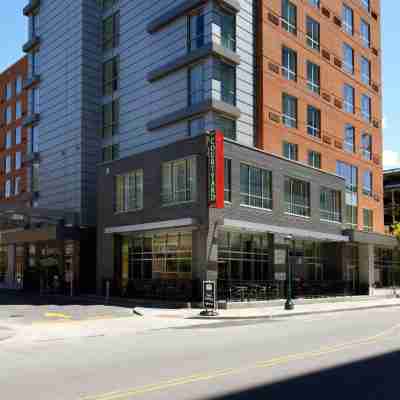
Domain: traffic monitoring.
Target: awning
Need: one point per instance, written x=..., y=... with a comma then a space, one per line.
x=282, y=230
x=169, y=224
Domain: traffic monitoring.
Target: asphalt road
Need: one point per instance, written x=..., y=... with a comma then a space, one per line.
x=335, y=356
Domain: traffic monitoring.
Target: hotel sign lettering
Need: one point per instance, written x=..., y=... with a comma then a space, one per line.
x=216, y=170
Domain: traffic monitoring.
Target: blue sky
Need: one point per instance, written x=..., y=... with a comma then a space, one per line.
x=13, y=33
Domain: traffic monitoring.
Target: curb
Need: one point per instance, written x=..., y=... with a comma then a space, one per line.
x=6, y=333
x=295, y=314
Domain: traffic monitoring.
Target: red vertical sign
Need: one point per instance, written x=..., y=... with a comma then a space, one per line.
x=216, y=172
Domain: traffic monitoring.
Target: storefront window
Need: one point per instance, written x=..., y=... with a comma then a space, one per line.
x=387, y=268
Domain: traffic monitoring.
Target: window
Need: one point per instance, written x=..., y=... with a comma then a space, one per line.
x=313, y=77
x=8, y=91
x=228, y=180
x=8, y=115
x=226, y=126
x=367, y=183
x=35, y=184
x=366, y=107
x=366, y=146
x=111, y=152
x=110, y=76
x=349, y=173
x=348, y=20
x=34, y=100
x=8, y=140
x=179, y=181
x=348, y=59
x=348, y=95
x=8, y=189
x=289, y=64
x=18, y=85
x=290, y=151
x=33, y=63
x=34, y=24
x=17, y=184
x=368, y=220
x=314, y=3
x=8, y=164
x=18, y=160
x=226, y=24
x=196, y=31
x=18, y=111
x=314, y=159
x=224, y=82
x=313, y=121
x=196, y=126
x=289, y=17
x=365, y=32
x=313, y=33
x=297, y=197
x=255, y=187
x=365, y=4
x=289, y=105
x=34, y=139
x=18, y=138
x=110, y=119
x=106, y=4
x=129, y=191
x=111, y=32
x=365, y=70
x=349, y=138
x=196, y=84
x=330, y=205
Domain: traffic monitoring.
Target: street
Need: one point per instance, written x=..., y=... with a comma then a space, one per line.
x=344, y=354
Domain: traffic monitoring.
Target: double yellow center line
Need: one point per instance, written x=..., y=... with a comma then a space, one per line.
x=121, y=395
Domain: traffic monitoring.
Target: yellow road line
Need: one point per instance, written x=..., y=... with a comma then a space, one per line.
x=119, y=395
x=57, y=315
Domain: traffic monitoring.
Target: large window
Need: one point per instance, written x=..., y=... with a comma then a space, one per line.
x=228, y=180
x=330, y=205
x=226, y=24
x=129, y=191
x=365, y=70
x=111, y=31
x=196, y=84
x=8, y=91
x=297, y=197
x=289, y=16
x=179, y=181
x=349, y=138
x=365, y=32
x=348, y=20
x=18, y=160
x=289, y=64
x=196, y=30
x=8, y=163
x=314, y=159
x=366, y=146
x=291, y=151
x=313, y=77
x=111, y=152
x=8, y=115
x=313, y=33
x=367, y=183
x=110, y=76
x=18, y=137
x=110, y=119
x=34, y=132
x=289, y=111
x=255, y=187
x=348, y=58
x=366, y=107
x=224, y=82
x=350, y=174
x=8, y=140
x=348, y=98
x=8, y=188
x=18, y=85
x=368, y=220
x=313, y=121
x=148, y=254
x=227, y=126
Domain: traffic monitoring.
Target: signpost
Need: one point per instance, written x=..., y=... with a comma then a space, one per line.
x=209, y=298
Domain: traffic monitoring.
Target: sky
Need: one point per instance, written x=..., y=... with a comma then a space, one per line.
x=13, y=33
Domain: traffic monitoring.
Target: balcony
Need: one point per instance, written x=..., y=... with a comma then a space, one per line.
x=31, y=44
x=31, y=119
x=29, y=82
x=31, y=7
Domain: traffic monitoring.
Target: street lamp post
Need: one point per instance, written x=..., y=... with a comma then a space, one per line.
x=289, y=305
